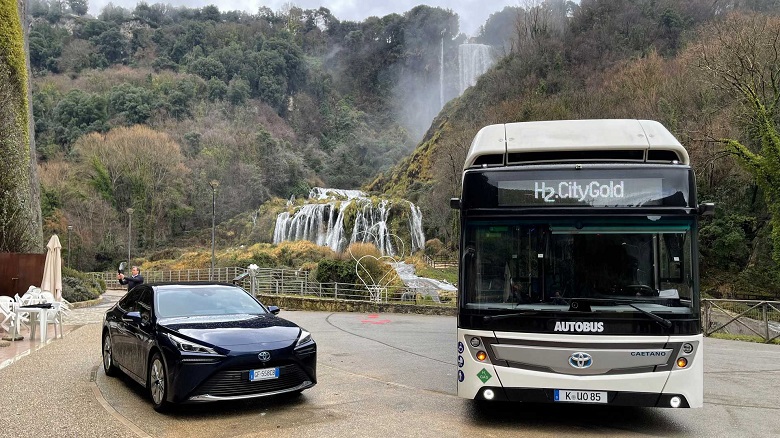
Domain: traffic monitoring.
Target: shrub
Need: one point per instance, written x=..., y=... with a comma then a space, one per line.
x=78, y=286
x=336, y=271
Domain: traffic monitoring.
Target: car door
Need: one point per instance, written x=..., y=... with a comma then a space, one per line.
x=119, y=331
x=138, y=333
x=144, y=336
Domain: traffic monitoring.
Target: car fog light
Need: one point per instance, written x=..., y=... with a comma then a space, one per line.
x=475, y=342
x=488, y=394
x=682, y=362
x=675, y=402
x=481, y=356
x=687, y=348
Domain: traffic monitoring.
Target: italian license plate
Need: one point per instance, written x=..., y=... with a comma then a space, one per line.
x=565, y=395
x=264, y=374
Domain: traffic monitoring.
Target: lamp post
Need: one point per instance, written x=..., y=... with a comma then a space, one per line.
x=129, y=231
x=70, y=227
x=214, y=184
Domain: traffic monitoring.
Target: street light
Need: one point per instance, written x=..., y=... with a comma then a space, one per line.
x=214, y=184
x=129, y=231
x=70, y=227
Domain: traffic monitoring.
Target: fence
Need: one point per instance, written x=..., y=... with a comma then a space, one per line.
x=742, y=317
x=440, y=262
x=279, y=281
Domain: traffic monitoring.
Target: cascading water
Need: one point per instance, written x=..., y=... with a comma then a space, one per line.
x=473, y=60
x=323, y=223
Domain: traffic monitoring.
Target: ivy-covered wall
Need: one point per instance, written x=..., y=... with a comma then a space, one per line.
x=16, y=234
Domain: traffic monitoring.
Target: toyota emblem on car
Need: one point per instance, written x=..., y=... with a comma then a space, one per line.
x=580, y=360
x=264, y=356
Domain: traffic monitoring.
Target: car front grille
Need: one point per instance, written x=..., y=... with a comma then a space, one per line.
x=236, y=383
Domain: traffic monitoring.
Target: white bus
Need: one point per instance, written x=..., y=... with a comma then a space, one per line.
x=579, y=271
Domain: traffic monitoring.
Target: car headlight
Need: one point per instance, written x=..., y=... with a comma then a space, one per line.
x=189, y=346
x=304, y=338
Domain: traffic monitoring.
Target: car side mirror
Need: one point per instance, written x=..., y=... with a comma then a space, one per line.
x=706, y=209
x=134, y=317
x=455, y=203
x=273, y=309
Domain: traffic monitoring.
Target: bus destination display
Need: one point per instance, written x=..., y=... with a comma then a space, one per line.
x=627, y=192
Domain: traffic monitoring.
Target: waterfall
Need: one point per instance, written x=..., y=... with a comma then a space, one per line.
x=415, y=225
x=441, y=75
x=323, y=222
x=473, y=60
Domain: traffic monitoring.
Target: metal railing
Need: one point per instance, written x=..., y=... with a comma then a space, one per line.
x=440, y=261
x=742, y=317
x=280, y=281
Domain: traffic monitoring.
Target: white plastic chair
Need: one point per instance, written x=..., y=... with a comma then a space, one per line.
x=47, y=297
x=54, y=316
x=32, y=296
x=8, y=315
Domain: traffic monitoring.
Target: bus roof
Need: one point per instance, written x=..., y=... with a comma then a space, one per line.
x=561, y=141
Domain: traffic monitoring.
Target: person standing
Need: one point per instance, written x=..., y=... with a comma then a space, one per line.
x=133, y=280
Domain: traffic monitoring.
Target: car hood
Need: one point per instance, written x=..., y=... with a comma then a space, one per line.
x=235, y=330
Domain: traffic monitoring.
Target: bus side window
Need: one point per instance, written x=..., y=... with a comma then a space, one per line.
x=671, y=258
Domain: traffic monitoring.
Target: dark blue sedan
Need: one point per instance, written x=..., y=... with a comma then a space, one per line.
x=197, y=342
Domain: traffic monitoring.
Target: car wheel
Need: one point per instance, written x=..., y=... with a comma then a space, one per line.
x=158, y=383
x=108, y=359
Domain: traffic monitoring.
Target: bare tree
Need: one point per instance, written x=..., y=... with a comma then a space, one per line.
x=742, y=55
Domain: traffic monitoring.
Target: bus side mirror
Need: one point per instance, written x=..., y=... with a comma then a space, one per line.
x=455, y=203
x=706, y=209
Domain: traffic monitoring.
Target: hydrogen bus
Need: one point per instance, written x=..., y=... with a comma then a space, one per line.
x=578, y=266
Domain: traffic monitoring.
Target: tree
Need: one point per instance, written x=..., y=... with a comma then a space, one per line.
x=238, y=91
x=133, y=105
x=111, y=44
x=140, y=168
x=743, y=57
x=77, y=114
x=79, y=7
x=207, y=68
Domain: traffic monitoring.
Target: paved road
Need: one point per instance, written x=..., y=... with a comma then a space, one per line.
x=389, y=375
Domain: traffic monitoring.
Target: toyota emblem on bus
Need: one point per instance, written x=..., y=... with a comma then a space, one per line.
x=580, y=360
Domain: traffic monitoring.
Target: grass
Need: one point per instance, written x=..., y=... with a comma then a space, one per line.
x=449, y=275
x=744, y=338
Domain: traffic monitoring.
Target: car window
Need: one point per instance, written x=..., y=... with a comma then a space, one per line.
x=144, y=304
x=129, y=302
x=201, y=300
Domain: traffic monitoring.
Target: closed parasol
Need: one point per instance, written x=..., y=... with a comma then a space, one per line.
x=52, y=268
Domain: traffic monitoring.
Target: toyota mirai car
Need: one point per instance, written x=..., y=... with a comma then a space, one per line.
x=198, y=342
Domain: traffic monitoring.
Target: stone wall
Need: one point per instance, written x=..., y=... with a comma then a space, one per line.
x=292, y=302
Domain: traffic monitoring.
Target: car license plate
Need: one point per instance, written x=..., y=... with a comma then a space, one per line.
x=264, y=374
x=565, y=395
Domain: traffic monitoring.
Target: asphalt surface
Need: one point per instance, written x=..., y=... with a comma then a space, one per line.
x=379, y=375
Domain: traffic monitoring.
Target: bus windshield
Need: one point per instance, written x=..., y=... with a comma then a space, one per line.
x=543, y=265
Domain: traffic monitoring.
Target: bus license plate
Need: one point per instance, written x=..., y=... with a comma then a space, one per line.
x=565, y=395
x=263, y=374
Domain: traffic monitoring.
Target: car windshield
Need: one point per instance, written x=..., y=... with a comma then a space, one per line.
x=201, y=300
x=537, y=266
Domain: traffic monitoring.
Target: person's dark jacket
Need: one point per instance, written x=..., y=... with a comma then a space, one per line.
x=132, y=282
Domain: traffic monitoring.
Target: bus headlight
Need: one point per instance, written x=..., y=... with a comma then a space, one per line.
x=488, y=394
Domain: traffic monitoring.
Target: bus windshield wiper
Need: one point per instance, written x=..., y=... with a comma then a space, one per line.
x=660, y=320
x=488, y=318
x=583, y=304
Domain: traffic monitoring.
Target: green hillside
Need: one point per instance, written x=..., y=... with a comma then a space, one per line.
x=707, y=73
x=145, y=108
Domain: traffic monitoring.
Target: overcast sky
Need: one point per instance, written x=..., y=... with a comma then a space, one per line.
x=472, y=13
